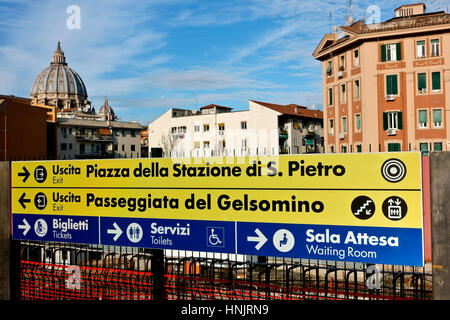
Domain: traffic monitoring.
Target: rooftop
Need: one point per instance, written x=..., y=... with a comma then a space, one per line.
x=408, y=19
x=100, y=124
x=292, y=109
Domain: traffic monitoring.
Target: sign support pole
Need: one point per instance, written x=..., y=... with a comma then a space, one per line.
x=158, y=267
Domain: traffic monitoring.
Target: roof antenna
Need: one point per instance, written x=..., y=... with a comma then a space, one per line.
x=330, y=21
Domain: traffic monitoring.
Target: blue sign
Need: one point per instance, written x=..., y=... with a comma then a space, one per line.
x=196, y=235
x=75, y=229
x=400, y=246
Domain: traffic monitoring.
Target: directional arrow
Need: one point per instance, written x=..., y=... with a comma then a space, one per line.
x=24, y=174
x=22, y=200
x=116, y=231
x=24, y=226
x=261, y=239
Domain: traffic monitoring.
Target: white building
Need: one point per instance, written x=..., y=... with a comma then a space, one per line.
x=263, y=129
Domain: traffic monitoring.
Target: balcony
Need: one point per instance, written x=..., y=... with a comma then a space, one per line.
x=93, y=137
x=282, y=133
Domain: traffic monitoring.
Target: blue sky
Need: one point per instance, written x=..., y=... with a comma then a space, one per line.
x=149, y=56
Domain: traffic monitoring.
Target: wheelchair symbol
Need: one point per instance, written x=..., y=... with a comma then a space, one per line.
x=215, y=237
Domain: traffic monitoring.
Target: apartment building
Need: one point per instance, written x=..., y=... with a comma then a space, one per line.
x=96, y=139
x=263, y=129
x=385, y=85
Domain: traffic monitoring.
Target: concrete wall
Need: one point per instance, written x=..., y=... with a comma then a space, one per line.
x=440, y=223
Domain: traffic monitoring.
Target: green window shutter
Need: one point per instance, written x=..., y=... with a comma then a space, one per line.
x=437, y=146
x=437, y=115
x=330, y=96
x=424, y=147
x=422, y=116
x=398, y=49
x=385, y=121
x=400, y=120
x=358, y=121
x=421, y=81
x=392, y=147
x=394, y=84
x=383, y=52
x=436, y=81
x=391, y=84
x=388, y=85
x=344, y=124
x=329, y=68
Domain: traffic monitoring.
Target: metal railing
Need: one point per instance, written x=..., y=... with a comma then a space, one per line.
x=59, y=271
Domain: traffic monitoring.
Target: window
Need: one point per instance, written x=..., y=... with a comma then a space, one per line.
x=206, y=127
x=344, y=149
x=206, y=144
x=436, y=81
x=332, y=149
x=331, y=128
x=330, y=68
x=423, y=147
x=423, y=118
x=344, y=124
x=70, y=146
x=295, y=142
x=342, y=65
x=391, y=52
x=343, y=93
x=392, y=120
x=421, y=49
x=82, y=150
x=435, y=48
x=437, y=146
x=356, y=89
x=133, y=133
x=358, y=148
x=437, y=118
x=244, y=144
x=391, y=84
x=123, y=147
x=244, y=125
x=116, y=147
x=133, y=147
x=63, y=146
x=422, y=82
x=358, y=122
x=392, y=147
x=221, y=127
x=356, y=58
x=196, y=144
x=330, y=96
x=196, y=128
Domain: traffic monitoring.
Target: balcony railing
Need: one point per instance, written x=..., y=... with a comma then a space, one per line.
x=93, y=137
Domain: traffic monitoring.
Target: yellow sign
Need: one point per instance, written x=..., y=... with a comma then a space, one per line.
x=379, y=189
x=249, y=205
x=317, y=171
